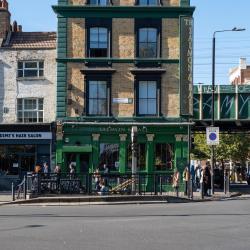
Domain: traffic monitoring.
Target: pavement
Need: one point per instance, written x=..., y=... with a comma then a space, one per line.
x=60, y=200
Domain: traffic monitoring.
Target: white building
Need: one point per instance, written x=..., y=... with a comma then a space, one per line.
x=27, y=95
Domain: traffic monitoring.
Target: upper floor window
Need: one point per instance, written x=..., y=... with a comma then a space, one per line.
x=97, y=98
x=148, y=2
x=148, y=42
x=147, y=98
x=99, y=2
x=30, y=69
x=30, y=110
x=98, y=42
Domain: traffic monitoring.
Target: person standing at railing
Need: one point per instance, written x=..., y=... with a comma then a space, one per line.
x=97, y=179
x=45, y=170
x=71, y=171
x=176, y=178
x=57, y=171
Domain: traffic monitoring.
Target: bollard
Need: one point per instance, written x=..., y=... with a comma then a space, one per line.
x=228, y=183
x=160, y=184
x=139, y=184
x=202, y=190
x=191, y=188
x=155, y=184
x=225, y=182
x=12, y=191
x=25, y=187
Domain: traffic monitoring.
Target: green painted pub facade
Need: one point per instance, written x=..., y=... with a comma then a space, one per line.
x=110, y=78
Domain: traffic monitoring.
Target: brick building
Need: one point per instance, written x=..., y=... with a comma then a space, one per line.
x=121, y=64
x=240, y=75
x=27, y=95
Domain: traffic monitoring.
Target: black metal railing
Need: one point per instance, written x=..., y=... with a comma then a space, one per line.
x=102, y=184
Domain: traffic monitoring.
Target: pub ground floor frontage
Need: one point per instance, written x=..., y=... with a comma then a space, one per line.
x=160, y=148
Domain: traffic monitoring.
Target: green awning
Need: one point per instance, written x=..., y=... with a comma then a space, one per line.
x=77, y=149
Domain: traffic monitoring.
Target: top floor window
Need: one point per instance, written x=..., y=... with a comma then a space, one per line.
x=98, y=46
x=148, y=42
x=30, y=69
x=99, y=2
x=148, y=2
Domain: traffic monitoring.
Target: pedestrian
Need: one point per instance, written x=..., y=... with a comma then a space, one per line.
x=97, y=178
x=45, y=170
x=71, y=171
x=106, y=171
x=207, y=180
x=57, y=171
x=186, y=178
x=175, y=185
x=197, y=177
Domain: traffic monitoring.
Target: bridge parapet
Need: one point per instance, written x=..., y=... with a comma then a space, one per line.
x=232, y=103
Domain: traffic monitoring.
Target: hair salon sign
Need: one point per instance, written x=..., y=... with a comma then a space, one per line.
x=25, y=135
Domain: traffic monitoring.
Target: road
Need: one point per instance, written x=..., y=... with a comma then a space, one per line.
x=206, y=225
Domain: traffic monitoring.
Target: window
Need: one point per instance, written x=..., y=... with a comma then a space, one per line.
x=98, y=42
x=31, y=69
x=99, y=2
x=148, y=42
x=109, y=155
x=141, y=157
x=97, y=98
x=30, y=110
x=147, y=97
x=148, y=2
x=164, y=156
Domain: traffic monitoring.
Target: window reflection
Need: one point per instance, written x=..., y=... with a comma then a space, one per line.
x=164, y=156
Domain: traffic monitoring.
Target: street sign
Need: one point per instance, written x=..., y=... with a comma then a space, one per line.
x=212, y=135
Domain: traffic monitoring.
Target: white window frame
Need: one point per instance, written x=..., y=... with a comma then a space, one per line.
x=23, y=69
x=23, y=110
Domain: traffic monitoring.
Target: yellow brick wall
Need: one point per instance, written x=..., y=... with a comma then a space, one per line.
x=76, y=37
x=76, y=94
x=171, y=2
x=170, y=91
x=124, y=2
x=170, y=38
x=77, y=2
x=123, y=38
x=122, y=87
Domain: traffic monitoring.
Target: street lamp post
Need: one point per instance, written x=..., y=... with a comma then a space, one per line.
x=213, y=90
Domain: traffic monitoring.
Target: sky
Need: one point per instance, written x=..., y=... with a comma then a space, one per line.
x=209, y=16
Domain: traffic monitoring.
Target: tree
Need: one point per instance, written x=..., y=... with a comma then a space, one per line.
x=234, y=147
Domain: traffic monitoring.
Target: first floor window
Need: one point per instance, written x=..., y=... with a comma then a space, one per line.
x=147, y=97
x=97, y=98
x=99, y=2
x=164, y=156
x=109, y=156
x=148, y=2
x=141, y=157
x=30, y=110
x=30, y=69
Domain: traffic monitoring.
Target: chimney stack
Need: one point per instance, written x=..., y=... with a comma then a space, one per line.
x=4, y=19
x=243, y=63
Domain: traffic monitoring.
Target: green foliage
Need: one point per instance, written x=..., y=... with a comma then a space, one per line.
x=233, y=147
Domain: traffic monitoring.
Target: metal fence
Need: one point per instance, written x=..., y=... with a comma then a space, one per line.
x=102, y=184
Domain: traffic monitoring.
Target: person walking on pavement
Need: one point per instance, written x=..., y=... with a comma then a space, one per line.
x=176, y=178
x=186, y=178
